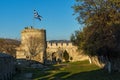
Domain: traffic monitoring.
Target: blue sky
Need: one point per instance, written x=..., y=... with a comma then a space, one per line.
x=57, y=17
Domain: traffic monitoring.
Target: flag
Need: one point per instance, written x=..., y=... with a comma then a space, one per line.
x=36, y=15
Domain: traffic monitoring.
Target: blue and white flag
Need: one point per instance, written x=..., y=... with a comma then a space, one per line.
x=36, y=15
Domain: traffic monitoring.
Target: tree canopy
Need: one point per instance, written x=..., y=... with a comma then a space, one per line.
x=101, y=34
x=97, y=12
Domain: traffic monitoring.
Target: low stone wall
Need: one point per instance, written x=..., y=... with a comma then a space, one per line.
x=113, y=64
x=97, y=61
x=7, y=67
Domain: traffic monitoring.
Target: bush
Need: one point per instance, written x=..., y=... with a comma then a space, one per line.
x=66, y=56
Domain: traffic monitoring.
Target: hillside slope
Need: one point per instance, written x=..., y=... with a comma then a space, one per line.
x=8, y=46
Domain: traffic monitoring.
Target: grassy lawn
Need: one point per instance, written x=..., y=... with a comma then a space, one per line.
x=73, y=71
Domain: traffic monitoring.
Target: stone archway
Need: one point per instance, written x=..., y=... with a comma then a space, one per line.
x=54, y=57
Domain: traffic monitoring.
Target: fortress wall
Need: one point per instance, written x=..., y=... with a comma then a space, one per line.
x=31, y=33
x=69, y=47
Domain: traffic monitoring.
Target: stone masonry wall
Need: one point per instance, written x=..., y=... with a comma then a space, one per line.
x=57, y=49
x=23, y=51
x=7, y=66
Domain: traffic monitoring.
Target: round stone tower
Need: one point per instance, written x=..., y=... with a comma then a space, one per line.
x=33, y=44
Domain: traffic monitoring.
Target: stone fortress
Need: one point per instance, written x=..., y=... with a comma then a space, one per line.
x=50, y=51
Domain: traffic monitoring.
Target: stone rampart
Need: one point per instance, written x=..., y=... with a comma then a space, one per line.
x=7, y=66
x=56, y=49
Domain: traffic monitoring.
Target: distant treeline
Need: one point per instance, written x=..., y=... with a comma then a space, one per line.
x=8, y=46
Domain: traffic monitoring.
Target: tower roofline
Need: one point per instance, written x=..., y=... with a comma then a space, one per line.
x=31, y=29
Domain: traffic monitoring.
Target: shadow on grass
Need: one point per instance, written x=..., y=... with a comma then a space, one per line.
x=89, y=75
x=53, y=73
x=94, y=75
x=58, y=76
x=40, y=75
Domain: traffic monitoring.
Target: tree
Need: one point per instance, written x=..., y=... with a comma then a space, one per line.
x=101, y=34
x=97, y=12
x=77, y=38
x=66, y=56
x=34, y=45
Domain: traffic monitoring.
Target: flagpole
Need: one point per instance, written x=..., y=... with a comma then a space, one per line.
x=33, y=22
x=33, y=19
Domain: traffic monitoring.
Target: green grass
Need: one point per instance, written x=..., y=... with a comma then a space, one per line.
x=73, y=71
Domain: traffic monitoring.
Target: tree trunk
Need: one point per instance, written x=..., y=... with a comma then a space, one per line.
x=109, y=66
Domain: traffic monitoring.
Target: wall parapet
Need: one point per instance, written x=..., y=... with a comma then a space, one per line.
x=59, y=44
x=31, y=29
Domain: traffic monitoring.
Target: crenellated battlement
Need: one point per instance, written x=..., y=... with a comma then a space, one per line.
x=59, y=44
